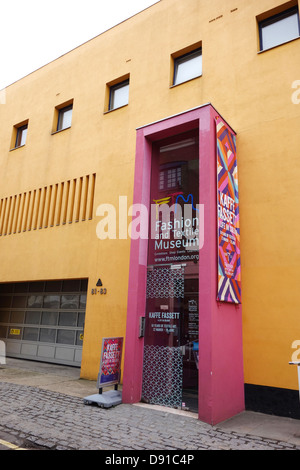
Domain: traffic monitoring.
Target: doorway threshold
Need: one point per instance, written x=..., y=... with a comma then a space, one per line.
x=166, y=409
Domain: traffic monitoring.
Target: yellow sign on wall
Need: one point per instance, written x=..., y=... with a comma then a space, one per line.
x=14, y=331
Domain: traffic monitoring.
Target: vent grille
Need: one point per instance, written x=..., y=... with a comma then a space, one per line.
x=49, y=206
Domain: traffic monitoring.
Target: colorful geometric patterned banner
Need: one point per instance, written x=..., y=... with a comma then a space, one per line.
x=229, y=264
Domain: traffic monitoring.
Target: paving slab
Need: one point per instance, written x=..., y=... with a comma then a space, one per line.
x=269, y=426
x=44, y=403
x=57, y=378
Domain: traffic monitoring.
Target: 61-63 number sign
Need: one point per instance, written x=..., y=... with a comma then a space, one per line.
x=101, y=290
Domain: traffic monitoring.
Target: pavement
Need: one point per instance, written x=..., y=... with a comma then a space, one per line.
x=43, y=404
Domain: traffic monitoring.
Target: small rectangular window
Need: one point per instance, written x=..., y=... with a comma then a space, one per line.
x=170, y=178
x=21, y=136
x=187, y=67
x=119, y=95
x=279, y=28
x=64, y=118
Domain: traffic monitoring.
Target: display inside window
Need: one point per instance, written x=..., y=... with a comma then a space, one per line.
x=170, y=369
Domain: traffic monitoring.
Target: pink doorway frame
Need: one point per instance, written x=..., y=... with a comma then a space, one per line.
x=221, y=377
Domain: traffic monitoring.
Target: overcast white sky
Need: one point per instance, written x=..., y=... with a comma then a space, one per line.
x=35, y=32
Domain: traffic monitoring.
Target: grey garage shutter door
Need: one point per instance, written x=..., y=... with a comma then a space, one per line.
x=44, y=320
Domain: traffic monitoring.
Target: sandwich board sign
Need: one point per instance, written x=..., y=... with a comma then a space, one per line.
x=109, y=374
x=110, y=366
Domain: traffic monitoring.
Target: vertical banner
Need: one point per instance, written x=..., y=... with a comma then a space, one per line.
x=111, y=356
x=229, y=264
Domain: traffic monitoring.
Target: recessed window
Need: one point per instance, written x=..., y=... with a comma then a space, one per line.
x=21, y=136
x=64, y=118
x=187, y=67
x=119, y=95
x=279, y=29
x=170, y=178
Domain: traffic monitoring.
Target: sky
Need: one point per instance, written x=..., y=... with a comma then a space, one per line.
x=35, y=32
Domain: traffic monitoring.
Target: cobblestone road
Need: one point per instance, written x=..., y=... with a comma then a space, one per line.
x=58, y=421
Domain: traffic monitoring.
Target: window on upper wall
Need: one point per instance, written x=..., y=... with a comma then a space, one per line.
x=187, y=66
x=279, y=28
x=21, y=136
x=64, y=120
x=119, y=95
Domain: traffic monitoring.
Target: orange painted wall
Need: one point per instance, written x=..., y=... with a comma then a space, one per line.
x=251, y=90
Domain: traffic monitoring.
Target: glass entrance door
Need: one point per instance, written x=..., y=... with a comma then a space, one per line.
x=171, y=338
x=170, y=374
x=163, y=358
x=189, y=339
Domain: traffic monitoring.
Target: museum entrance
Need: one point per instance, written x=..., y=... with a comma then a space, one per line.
x=170, y=367
x=176, y=281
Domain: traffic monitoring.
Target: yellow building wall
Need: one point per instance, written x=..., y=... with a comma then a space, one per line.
x=251, y=90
